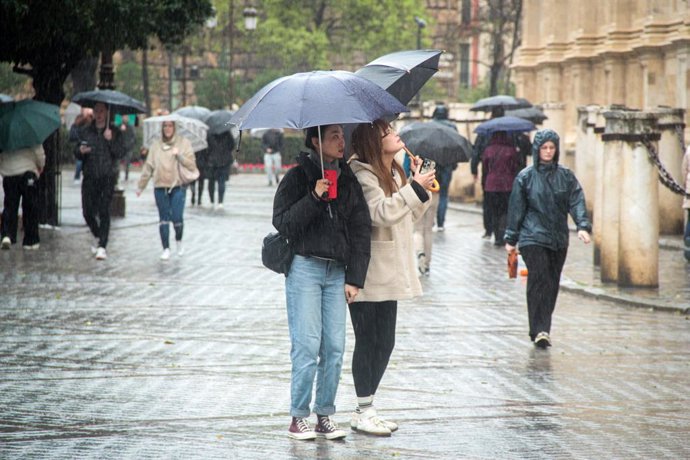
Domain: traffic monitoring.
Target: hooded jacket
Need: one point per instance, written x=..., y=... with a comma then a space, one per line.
x=500, y=163
x=338, y=229
x=542, y=197
x=163, y=165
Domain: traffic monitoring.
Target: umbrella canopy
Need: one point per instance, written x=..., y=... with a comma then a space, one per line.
x=507, y=123
x=5, y=98
x=117, y=102
x=219, y=122
x=26, y=123
x=402, y=73
x=194, y=111
x=533, y=114
x=507, y=102
x=189, y=128
x=316, y=98
x=436, y=141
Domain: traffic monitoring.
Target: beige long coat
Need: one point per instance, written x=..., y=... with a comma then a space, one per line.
x=161, y=163
x=392, y=273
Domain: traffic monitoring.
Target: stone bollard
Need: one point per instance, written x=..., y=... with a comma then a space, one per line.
x=670, y=151
x=598, y=172
x=630, y=220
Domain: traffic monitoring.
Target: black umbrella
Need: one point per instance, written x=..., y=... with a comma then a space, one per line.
x=533, y=114
x=488, y=104
x=116, y=101
x=436, y=141
x=219, y=121
x=194, y=111
x=402, y=73
x=505, y=123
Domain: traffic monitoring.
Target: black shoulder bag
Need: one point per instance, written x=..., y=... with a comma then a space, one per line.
x=277, y=253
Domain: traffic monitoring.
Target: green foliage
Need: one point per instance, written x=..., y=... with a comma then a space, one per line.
x=212, y=90
x=10, y=82
x=483, y=90
x=251, y=152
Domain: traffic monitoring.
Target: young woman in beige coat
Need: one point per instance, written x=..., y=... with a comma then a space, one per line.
x=162, y=163
x=394, y=204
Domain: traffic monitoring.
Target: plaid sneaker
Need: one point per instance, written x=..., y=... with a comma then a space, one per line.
x=300, y=429
x=328, y=429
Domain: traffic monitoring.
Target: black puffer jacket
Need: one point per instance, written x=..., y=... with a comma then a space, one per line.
x=542, y=197
x=104, y=158
x=340, y=229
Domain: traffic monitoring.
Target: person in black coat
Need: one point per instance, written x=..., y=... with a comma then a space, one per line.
x=543, y=195
x=331, y=241
x=218, y=162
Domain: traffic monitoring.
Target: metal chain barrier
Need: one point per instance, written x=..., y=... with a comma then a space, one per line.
x=664, y=176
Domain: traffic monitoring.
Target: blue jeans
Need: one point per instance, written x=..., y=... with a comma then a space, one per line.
x=170, y=203
x=444, y=182
x=316, y=310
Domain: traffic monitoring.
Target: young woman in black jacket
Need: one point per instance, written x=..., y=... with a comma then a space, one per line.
x=331, y=241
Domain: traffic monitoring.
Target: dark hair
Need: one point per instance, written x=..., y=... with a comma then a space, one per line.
x=313, y=131
x=367, y=143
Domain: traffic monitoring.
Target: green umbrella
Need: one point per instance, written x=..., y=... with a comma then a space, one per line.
x=26, y=123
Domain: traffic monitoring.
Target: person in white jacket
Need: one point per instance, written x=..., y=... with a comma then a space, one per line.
x=163, y=161
x=394, y=204
x=20, y=170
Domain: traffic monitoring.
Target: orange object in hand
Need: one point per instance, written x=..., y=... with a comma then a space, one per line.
x=512, y=264
x=523, y=272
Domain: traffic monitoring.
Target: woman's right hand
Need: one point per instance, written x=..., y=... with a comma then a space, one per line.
x=510, y=248
x=426, y=180
x=321, y=187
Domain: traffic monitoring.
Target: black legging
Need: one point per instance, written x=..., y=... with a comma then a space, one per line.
x=374, y=327
x=544, y=268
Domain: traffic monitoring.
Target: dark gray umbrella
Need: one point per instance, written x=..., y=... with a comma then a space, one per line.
x=506, y=102
x=507, y=123
x=533, y=114
x=402, y=73
x=436, y=141
x=194, y=111
x=117, y=102
x=316, y=98
x=219, y=121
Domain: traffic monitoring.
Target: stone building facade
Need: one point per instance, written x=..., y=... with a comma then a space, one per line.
x=580, y=52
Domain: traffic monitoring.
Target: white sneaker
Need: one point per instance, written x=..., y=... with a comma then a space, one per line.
x=166, y=254
x=180, y=248
x=369, y=422
x=6, y=242
x=31, y=247
x=94, y=247
x=220, y=205
x=101, y=254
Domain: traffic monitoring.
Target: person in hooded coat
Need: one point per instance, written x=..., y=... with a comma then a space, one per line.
x=543, y=196
x=331, y=241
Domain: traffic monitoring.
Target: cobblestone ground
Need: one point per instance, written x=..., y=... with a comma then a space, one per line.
x=134, y=358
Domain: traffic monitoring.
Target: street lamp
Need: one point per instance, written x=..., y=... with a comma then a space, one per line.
x=250, y=15
x=421, y=23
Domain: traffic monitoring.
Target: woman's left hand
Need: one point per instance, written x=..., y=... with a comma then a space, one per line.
x=351, y=292
x=583, y=235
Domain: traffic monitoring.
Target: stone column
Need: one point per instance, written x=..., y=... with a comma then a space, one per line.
x=584, y=151
x=671, y=127
x=637, y=223
x=598, y=170
x=609, y=223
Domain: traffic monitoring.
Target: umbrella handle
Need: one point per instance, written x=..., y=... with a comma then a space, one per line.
x=435, y=187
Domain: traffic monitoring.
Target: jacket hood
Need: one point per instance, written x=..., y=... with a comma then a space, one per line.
x=540, y=139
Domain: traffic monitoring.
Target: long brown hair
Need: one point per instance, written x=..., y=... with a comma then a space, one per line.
x=367, y=143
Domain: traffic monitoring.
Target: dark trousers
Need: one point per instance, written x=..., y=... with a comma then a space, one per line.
x=486, y=212
x=374, y=327
x=197, y=184
x=217, y=175
x=686, y=237
x=497, y=204
x=22, y=187
x=544, y=268
x=96, y=195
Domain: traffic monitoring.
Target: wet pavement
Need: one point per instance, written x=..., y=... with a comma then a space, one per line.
x=136, y=358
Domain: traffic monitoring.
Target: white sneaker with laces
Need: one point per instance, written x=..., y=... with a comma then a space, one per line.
x=180, y=248
x=369, y=422
x=31, y=247
x=6, y=242
x=94, y=247
x=101, y=254
x=166, y=254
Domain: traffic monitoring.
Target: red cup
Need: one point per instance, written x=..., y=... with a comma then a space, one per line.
x=512, y=264
x=332, y=176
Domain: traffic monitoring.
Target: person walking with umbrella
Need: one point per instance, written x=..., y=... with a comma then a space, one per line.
x=218, y=162
x=394, y=204
x=20, y=170
x=543, y=195
x=165, y=157
x=100, y=151
x=327, y=223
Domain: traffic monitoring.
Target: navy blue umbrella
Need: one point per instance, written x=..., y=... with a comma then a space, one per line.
x=533, y=114
x=402, y=73
x=316, y=98
x=508, y=124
